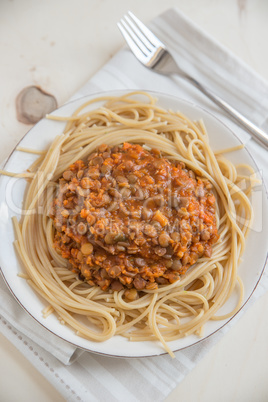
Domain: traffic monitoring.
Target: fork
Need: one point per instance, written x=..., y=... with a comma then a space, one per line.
x=152, y=53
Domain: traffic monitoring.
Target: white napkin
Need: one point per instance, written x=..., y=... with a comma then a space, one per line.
x=92, y=377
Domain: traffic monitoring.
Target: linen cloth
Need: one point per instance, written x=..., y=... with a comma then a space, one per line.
x=79, y=375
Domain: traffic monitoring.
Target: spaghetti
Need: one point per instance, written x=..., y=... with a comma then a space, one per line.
x=172, y=310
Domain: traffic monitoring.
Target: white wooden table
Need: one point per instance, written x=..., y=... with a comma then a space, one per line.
x=58, y=45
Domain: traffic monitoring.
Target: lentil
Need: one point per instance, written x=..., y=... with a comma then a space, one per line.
x=109, y=238
x=97, y=161
x=68, y=175
x=175, y=236
x=82, y=228
x=103, y=148
x=164, y=239
x=176, y=265
x=131, y=294
x=86, y=248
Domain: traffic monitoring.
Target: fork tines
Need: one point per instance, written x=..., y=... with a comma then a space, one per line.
x=140, y=39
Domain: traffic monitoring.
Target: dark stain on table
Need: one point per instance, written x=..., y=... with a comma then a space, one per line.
x=33, y=103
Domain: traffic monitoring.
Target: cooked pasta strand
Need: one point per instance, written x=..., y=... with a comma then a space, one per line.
x=174, y=310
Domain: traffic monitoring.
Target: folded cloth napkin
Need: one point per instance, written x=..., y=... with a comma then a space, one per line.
x=93, y=377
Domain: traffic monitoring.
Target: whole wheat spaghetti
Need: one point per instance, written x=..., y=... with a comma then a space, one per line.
x=170, y=310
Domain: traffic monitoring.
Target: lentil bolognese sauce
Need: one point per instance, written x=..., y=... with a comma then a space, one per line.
x=129, y=218
x=133, y=225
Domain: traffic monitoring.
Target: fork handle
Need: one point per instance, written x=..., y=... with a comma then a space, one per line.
x=259, y=134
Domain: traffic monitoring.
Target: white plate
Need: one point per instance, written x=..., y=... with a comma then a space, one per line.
x=11, y=195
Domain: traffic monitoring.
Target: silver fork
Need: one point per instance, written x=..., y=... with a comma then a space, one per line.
x=152, y=53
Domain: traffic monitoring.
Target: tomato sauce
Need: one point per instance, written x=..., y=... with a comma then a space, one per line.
x=130, y=218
